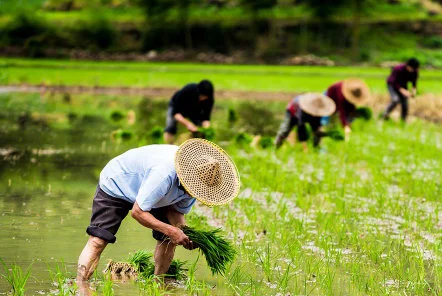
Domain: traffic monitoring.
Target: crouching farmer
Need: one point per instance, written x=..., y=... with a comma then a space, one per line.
x=159, y=185
x=191, y=106
x=397, y=84
x=347, y=95
x=305, y=109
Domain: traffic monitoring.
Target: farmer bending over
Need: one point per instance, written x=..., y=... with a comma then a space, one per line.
x=397, y=84
x=158, y=184
x=191, y=106
x=348, y=94
x=307, y=108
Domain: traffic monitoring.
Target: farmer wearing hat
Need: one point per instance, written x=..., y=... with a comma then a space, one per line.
x=307, y=108
x=348, y=94
x=159, y=185
x=191, y=106
x=397, y=84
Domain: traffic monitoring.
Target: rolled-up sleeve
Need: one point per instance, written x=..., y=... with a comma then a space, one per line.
x=184, y=205
x=156, y=185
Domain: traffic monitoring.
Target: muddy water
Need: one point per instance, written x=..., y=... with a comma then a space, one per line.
x=47, y=227
x=47, y=181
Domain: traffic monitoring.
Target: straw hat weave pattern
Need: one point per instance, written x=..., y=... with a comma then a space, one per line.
x=207, y=172
x=355, y=91
x=317, y=104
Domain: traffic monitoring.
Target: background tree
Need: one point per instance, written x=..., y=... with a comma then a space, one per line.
x=325, y=10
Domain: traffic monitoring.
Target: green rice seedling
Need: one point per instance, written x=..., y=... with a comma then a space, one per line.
x=152, y=286
x=142, y=261
x=176, y=270
x=265, y=142
x=243, y=139
x=107, y=288
x=156, y=135
x=117, y=115
x=335, y=135
x=62, y=280
x=205, y=133
x=218, y=251
x=364, y=113
x=15, y=276
x=232, y=116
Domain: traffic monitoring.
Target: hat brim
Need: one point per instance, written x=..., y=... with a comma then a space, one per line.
x=352, y=83
x=189, y=156
x=307, y=104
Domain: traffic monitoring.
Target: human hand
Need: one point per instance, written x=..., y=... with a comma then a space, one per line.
x=347, y=131
x=178, y=237
x=191, y=127
x=405, y=92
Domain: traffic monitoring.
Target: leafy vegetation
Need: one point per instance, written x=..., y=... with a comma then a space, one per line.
x=16, y=278
x=345, y=31
x=349, y=218
x=218, y=251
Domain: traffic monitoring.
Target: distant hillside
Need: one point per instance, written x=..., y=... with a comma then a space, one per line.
x=225, y=31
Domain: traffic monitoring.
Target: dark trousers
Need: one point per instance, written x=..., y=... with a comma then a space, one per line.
x=397, y=98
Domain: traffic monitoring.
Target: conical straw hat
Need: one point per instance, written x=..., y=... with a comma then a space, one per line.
x=355, y=91
x=317, y=104
x=207, y=172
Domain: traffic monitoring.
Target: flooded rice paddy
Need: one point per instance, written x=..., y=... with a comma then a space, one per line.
x=356, y=218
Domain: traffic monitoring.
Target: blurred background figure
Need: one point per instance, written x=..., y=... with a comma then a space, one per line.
x=347, y=95
x=397, y=84
x=302, y=110
x=191, y=106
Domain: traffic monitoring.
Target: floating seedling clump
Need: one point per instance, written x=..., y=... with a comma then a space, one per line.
x=218, y=251
x=141, y=264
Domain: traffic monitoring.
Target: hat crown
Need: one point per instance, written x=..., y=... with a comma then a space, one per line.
x=357, y=92
x=318, y=103
x=209, y=171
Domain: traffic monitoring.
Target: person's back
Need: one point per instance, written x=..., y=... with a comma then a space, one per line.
x=400, y=77
x=145, y=175
x=191, y=106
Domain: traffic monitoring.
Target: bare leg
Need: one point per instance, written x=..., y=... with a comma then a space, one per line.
x=89, y=258
x=168, y=138
x=164, y=252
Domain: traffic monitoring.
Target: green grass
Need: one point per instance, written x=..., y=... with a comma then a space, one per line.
x=175, y=75
x=16, y=278
x=351, y=218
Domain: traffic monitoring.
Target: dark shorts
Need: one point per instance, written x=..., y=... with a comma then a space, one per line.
x=108, y=212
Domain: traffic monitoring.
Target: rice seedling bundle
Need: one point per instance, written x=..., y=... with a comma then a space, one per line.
x=243, y=139
x=364, y=113
x=205, y=133
x=218, y=251
x=141, y=264
x=335, y=135
x=142, y=261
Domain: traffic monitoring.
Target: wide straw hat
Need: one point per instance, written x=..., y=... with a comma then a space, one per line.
x=207, y=172
x=317, y=104
x=355, y=91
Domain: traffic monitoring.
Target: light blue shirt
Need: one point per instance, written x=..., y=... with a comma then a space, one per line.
x=146, y=175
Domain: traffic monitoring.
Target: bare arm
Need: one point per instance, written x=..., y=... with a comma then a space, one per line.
x=175, y=234
x=404, y=92
x=187, y=123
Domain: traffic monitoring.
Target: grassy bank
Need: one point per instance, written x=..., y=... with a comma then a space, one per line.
x=175, y=75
